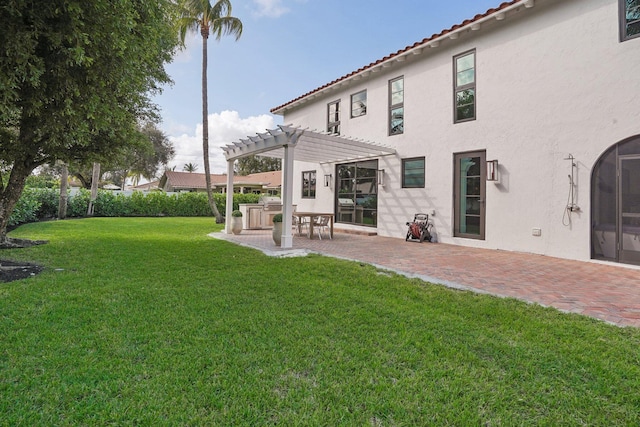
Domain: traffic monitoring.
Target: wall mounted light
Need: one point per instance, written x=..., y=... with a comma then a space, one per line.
x=380, y=176
x=327, y=180
x=492, y=170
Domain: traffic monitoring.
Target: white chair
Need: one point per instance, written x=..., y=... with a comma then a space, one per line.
x=322, y=224
x=299, y=224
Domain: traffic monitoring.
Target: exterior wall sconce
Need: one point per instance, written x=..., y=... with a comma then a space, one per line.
x=380, y=176
x=327, y=180
x=492, y=170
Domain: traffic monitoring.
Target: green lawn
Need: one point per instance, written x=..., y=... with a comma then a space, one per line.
x=140, y=321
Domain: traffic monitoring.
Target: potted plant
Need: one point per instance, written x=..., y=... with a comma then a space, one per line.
x=236, y=222
x=277, y=229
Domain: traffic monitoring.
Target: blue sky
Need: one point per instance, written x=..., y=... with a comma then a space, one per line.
x=287, y=48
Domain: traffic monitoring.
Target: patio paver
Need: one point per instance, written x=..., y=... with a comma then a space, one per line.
x=608, y=292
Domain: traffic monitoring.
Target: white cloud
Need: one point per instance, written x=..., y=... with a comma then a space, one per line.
x=270, y=8
x=224, y=128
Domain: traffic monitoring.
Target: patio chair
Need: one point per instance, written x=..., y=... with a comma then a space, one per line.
x=322, y=224
x=299, y=224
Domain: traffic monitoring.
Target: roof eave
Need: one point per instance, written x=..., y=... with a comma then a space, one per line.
x=418, y=48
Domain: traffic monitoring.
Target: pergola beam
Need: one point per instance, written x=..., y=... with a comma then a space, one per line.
x=293, y=143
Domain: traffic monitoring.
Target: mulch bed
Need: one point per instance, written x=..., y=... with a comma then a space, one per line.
x=16, y=270
x=12, y=270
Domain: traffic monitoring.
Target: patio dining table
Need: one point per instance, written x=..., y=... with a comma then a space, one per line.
x=312, y=217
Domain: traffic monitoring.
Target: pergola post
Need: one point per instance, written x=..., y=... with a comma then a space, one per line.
x=287, y=197
x=229, y=208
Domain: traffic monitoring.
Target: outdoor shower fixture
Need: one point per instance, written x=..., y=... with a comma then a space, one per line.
x=571, y=198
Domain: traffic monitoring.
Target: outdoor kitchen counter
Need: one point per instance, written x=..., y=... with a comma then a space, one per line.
x=257, y=216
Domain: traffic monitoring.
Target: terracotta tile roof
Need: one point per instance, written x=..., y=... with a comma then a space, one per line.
x=271, y=178
x=193, y=180
x=153, y=185
x=466, y=22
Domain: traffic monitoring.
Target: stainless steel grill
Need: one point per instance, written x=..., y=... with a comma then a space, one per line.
x=270, y=203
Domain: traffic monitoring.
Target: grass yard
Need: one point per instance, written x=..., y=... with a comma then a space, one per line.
x=147, y=321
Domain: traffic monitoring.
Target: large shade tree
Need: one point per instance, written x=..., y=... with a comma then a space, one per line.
x=146, y=154
x=75, y=80
x=202, y=16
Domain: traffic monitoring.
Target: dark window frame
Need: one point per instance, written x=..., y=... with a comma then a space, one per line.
x=333, y=118
x=309, y=184
x=623, y=6
x=358, y=182
x=394, y=107
x=362, y=108
x=423, y=168
x=464, y=87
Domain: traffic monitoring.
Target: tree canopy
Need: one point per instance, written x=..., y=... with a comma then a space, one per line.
x=76, y=81
x=254, y=164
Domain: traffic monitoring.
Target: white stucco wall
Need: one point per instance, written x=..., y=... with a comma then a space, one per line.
x=551, y=81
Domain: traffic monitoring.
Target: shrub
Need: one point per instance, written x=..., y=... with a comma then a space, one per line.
x=78, y=204
x=26, y=209
x=190, y=204
x=42, y=203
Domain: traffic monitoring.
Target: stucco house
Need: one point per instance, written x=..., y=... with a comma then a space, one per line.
x=260, y=183
x=517, y=129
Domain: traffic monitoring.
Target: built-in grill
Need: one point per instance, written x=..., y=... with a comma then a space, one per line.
x=260, y=215
x=270, y=203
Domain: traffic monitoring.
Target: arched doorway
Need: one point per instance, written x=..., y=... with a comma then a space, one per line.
x=615, y=203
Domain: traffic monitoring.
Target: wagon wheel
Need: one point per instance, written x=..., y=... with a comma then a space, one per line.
x=406, y=239
x=422, y=236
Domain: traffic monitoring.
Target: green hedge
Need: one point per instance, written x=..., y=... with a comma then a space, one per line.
x=42, y=203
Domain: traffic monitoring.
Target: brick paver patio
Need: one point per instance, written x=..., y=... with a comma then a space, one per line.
x=600, y=290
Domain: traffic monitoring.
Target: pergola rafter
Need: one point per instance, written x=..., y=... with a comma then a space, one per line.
x=294, y=143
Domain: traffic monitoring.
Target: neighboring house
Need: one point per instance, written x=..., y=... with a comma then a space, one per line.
x=518, y=129
x=148, y=186
x=264, y=182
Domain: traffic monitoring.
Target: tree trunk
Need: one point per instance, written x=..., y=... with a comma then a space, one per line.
x=94, y=188
x=10, y=195
x=64, y=180
x=205, y=128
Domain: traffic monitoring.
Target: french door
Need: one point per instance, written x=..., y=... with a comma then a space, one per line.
x=629, y=209
x=469, y=194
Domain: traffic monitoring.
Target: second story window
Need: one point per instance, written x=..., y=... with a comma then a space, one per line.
x=629, y=19
x=359, y=104
x=333, y=117
x=464, y=70
x=396, y=106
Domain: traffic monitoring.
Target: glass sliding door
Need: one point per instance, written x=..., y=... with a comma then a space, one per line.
x=469, y=195
x=357, y=195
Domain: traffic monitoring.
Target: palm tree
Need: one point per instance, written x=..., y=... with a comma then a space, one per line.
x=190, y=167
x=217, y=19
